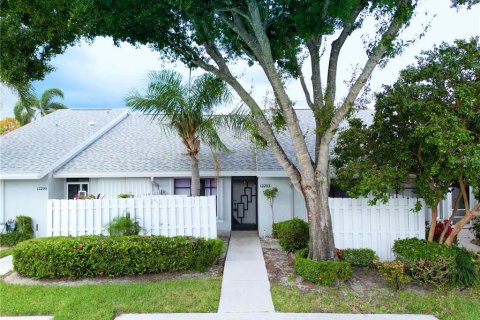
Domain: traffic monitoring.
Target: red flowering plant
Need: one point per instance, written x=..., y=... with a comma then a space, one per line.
x=441, y=225
x=81, y=196
x=340, y=253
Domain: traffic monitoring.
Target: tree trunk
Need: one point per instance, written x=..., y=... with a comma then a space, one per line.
x=315, y=191
x=321, y=244
x=469, y=215
x=458, y=227
x=433, y=224
x=195, y=186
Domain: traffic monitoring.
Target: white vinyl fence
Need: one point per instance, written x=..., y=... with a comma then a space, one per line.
x=358, y=225
x=158, y=215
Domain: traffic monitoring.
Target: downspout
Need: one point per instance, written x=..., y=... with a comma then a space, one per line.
x=292, y=210
x=154, y=183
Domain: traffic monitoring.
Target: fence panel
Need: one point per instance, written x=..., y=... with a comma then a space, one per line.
x=358, y=225
x=159, y=215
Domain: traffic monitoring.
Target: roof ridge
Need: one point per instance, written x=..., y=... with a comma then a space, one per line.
x=83, y=145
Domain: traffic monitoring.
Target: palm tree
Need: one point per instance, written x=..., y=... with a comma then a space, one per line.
x=187, y=109
x=27, y=108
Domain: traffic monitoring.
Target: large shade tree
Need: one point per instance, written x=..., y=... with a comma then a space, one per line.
x=186, y=108
x=426, y=133
x=278, y=36
x=27, y=108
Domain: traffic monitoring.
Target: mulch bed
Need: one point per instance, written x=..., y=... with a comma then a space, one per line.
x=280, y=271
x=215, y=271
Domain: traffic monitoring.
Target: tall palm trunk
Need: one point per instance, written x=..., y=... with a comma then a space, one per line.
x=195, y=186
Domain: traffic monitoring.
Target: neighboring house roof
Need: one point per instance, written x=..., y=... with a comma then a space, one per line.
x=121, y=144
x=34, y=150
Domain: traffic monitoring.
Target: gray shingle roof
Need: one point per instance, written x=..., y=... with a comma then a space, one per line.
x=32, y=149
x=135, y=146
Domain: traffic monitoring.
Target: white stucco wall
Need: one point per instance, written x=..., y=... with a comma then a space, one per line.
x=287, y=205
x=28, y=198
x=56, y=189
x=224, y=204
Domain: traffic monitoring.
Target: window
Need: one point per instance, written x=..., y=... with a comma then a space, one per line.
x=208, y=187
x=336, y=192
x=182, y=187
x=75, y=186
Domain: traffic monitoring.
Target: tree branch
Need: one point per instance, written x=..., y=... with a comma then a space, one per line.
x=304, y=85
x=336, y=47
x=377, y=54
x=314, y=51
x=265, y=128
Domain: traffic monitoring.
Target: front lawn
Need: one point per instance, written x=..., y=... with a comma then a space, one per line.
x=5, y=252
x=104, y=301
x=444, y=304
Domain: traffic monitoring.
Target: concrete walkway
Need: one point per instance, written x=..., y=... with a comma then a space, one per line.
x=245, y=285
x=6, y=264
x=465, y=237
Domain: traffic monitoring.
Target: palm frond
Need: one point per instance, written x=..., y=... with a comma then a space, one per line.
x=207, y=92
x=164, y=98
x=24, y=110
x=209, y=135
x=46, y=100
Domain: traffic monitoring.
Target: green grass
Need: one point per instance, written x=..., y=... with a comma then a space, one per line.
x=444, y=304
x=5, y=252
x=103, y=301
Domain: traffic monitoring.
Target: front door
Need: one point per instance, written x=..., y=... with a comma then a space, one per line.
x=244, y=203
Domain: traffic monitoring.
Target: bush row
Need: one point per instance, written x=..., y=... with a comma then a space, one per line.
x=291, y=234
x=23, y=231
x=93, y=256
x=436, y=264
x=321, y=272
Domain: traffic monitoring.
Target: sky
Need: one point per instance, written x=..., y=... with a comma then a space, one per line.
x=100, y=75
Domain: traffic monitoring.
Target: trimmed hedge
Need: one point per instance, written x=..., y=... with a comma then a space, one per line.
x=23, y=231
x=321, y=272
x=93, y=256
x=292, y=234
x=436, y=264
x=358, y=257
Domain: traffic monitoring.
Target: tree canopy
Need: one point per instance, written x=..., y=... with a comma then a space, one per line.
x=279, y=36
x=426, y=131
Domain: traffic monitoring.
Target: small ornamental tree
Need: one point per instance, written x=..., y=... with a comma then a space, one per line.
x=271, y=194
x=426, y=131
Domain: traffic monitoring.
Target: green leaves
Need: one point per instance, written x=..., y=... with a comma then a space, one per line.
x=186, y=108
x=425, y=129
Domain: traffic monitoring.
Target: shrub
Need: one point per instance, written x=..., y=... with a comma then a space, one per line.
x=435, y=264
x=394, y=273
x=125, y=195
x=357, y=257
x=292, y=234
x=123, y=226
x=23, y=231
x=321, y=272
x=93, y=256
x=466, y=271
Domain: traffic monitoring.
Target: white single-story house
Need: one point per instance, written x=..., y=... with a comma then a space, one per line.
x=108, y=152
